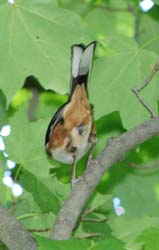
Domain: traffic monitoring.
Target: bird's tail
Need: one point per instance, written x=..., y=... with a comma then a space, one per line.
x=81, y=64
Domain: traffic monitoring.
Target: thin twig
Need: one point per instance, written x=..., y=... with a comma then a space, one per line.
x=144, y=103
x=87, y=236
x=88, y=211
x=40, y=230
x=144, y=166
x=93, y=219
x=150, y=76
x=137, y=90
x=113, y=9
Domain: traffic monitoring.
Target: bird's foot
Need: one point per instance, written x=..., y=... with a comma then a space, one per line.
x=75, y=180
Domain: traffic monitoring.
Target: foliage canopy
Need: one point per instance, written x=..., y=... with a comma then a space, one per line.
x=36, y=36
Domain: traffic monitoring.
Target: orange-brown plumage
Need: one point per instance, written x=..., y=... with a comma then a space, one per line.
x=77, y=111
x=57, y=137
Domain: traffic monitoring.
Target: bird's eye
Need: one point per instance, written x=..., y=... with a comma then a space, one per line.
x=80, y=128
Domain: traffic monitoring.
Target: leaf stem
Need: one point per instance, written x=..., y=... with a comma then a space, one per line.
x=87, y=236
x=153, y=165
x=25, y=216
x=93, y=219
x=40, y=230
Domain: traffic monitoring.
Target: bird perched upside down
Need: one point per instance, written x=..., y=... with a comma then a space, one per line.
x=71, y=132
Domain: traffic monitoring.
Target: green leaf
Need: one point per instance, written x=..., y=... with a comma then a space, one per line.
x=149, y=239
x=6, y=193
x=138, y=191
x=48, y=104
x=58, y=188
x=78, y=7
x=93, y=227
x=130, y=230
x=38, y=222
x=110, y=243
x=109, y=23
x=29, y=153
x=107, y=126
x=30, y=215
x=95, y=204
x=113, y=78
x=22, y=97
x=148, y=151
x=99, y=199
x=2, y=246
x=156, y=1
x=36, y=41
x=44, y=197
x=25, y=145
x=73, y=244
x=135, y=188
x=147, y=39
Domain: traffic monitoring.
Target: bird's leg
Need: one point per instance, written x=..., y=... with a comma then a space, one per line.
x=73, y=174
x=93, y=141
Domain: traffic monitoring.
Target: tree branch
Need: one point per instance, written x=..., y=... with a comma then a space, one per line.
x=114, y=151
x=13, y=234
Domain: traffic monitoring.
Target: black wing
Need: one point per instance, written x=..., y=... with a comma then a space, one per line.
x=58, y=117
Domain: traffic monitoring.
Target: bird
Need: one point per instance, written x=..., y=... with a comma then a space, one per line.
x=71, y=132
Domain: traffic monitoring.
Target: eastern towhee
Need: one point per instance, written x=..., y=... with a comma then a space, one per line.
x=71, y=132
